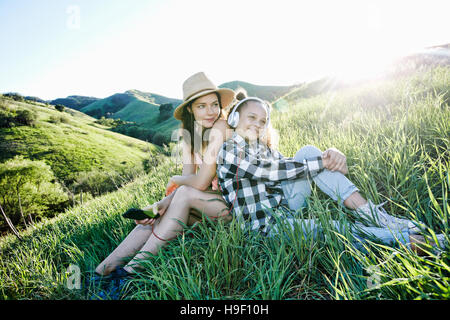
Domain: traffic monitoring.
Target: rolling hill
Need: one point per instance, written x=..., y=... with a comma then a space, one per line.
x=74, y=102
x=269, y=93
x=81, y=154
x=395, y=135
x=142, y=108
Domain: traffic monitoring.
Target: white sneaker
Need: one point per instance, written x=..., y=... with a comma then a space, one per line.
x=376, y=216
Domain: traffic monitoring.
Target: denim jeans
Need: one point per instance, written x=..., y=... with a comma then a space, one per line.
x=333, y=183
x=339, y=188
x=391, y=237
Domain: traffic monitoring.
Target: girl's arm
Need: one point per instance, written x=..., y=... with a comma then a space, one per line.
x=234, y=159
x=207, y=170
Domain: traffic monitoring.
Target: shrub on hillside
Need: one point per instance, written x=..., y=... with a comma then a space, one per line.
x=97, y=182
x=165, y=111
x=3, y=104
x=6, y=119
x=26, y=117
x=14, y=95
x=58, y=119
x=60, y=107
x=160, y=139
x=29, y=185
x=54, y=119
x=10, y=118
x=110, y=122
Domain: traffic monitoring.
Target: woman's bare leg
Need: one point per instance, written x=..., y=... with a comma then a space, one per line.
x=170, y=224
x=127, y=248
x=131, y=245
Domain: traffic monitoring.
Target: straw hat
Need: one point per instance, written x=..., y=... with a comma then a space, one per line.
x=199, y=85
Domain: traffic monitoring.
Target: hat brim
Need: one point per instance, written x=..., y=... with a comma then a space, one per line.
x=226, y=98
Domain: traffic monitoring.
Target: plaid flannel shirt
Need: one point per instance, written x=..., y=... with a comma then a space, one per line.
x=257, y=186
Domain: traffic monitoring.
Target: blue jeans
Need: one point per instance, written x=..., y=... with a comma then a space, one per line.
x=339, y=188
x=333, y=183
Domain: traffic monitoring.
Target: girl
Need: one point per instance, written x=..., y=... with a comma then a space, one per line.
x=202, y=109
x=262, y=186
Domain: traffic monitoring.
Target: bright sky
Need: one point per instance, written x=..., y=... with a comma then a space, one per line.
x=52, y=49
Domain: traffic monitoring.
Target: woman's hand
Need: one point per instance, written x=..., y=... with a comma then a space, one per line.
x=172, y=184
x=334, y=160
x=174, y=180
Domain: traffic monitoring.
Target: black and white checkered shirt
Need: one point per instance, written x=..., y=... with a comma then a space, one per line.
x=257, y=186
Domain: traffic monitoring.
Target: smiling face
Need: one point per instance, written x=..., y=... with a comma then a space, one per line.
x=206, y=110
x=252, y=120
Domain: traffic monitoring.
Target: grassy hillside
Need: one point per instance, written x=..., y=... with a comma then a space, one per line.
x=71, y=142
x=395, y=134
x=81, y=154
x=154, y=98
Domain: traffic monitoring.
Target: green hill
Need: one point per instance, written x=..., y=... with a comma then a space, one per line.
x=395, y=133
x=79, y=154
x=154, y=98
x=269, y=93
x=73, y=102
x=108, y=106
x=140, y=108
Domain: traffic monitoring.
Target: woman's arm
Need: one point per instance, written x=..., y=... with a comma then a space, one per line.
x=187, y=159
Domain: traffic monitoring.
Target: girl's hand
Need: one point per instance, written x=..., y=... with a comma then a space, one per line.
x=334, y=160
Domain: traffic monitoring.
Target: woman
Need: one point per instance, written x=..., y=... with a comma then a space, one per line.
x=201, y=113
x=263, y=187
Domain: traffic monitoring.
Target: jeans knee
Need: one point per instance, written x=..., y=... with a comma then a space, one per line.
x=308, y=151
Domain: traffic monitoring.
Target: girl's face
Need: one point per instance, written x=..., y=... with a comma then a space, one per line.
x=206, y=110
x=252, y=120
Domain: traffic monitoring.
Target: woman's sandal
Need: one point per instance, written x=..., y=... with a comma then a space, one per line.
x=114, y=287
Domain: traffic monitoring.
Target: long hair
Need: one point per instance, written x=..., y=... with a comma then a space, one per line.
x=191, y=132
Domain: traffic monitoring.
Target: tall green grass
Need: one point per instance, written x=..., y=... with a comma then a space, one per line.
x=395, y=134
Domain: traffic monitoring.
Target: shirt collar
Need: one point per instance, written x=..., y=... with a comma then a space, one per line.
x=243, y=143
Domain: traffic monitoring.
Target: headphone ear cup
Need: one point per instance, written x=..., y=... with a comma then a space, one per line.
x=233, y=120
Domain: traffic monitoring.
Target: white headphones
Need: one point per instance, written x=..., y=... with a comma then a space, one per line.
x=233, y=118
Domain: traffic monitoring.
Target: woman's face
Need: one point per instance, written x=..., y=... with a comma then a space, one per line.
x=252, y=120
x=206, y=110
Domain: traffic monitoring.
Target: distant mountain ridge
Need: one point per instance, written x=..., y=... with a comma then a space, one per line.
x=74, y=102
x=142, y=109
x=268, y=93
